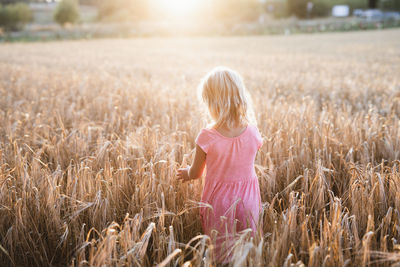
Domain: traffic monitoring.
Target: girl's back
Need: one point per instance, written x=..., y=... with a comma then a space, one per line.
x=230, y=159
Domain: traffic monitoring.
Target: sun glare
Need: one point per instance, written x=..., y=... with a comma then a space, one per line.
x=178, y=8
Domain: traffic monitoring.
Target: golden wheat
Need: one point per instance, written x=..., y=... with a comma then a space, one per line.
x=92, y=133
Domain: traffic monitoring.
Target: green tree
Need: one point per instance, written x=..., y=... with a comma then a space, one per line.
x=373, y=3
x=15, y=16
x=67, y=11
x=390, y=5
x=297, y=8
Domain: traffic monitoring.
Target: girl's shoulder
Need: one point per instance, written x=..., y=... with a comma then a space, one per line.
x=205, y=138
x=211, y=133
x=206, y=133
x=253, y=128
x=256, y=134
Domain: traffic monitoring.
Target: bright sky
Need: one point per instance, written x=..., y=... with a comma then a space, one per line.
x=179, y=8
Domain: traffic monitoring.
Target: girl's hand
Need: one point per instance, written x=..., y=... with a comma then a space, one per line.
x=183, y=174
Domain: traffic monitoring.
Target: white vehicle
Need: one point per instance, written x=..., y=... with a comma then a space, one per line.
x=391, y=15
x=340, y=11
x=376, y=15
x=373, y=15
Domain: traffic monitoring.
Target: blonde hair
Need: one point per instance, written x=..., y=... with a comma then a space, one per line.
x=228, y=102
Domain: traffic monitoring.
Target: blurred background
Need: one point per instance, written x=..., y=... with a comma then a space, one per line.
x=73, y=19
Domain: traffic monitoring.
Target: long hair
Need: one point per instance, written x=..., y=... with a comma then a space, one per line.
x=228, y=102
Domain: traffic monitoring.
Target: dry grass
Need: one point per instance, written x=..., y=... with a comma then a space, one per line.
x=91, y=133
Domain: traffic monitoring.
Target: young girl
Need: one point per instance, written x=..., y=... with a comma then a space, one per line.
x=227, y=149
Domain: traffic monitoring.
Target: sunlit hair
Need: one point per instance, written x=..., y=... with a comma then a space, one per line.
x=228, y=102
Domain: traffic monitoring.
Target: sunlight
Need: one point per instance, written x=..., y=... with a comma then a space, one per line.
x=178, y=8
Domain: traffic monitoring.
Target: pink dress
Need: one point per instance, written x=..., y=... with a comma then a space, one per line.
x=231, y=186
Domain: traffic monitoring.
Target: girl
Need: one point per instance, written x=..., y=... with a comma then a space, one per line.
x=228, y=149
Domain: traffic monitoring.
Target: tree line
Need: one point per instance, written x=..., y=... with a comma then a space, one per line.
x=14, y=15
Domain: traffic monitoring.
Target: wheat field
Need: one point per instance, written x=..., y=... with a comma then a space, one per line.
x=92, y=133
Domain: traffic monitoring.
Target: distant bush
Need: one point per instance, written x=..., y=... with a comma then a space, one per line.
x=321, y=8
x=277, y=8
x=14, y=17
x=390, y=5
x=67, y=11
x=297, y=8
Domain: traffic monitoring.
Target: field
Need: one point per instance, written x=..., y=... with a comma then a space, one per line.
x=92, y=132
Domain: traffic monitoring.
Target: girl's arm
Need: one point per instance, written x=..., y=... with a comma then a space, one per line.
x=196, y=170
